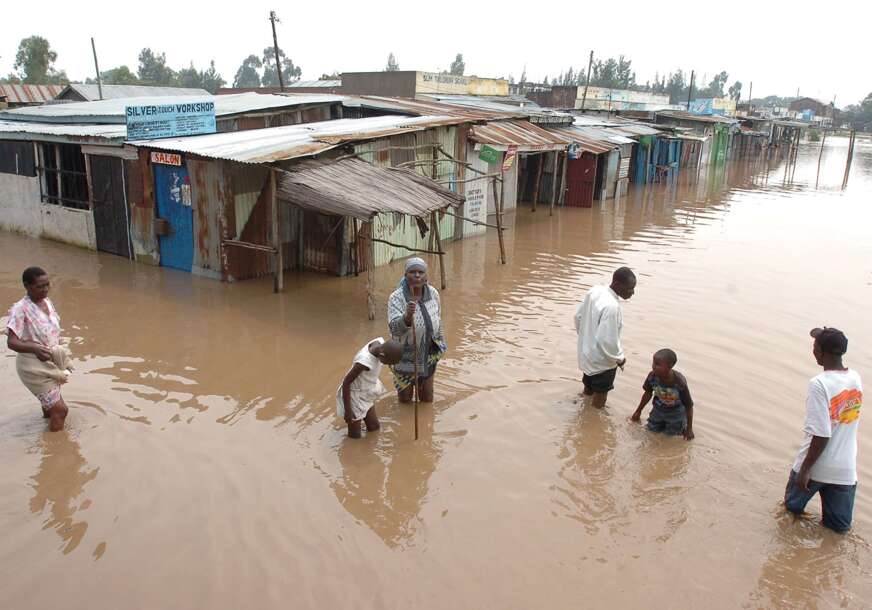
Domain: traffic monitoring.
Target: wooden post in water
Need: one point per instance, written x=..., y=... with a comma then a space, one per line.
x=370, y=274
x=820, y=156
x=438, y=243
x=553, y=184
x=563, y=177
x=538, y=180
x=498, y=206
x=279, y=282
x=849, y=159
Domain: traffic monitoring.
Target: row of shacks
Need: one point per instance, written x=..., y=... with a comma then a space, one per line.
x=327, y=183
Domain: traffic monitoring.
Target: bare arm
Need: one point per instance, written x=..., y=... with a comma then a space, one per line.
x=688, y=431
x=26, y=347
x=350, y=376
x=818, y=444
x=646, y=398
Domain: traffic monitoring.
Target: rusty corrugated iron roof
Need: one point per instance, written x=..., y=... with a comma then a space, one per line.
x=427, y=107
x=352, y=187
x=520, y=134
x=29, y=94
x=584, y=141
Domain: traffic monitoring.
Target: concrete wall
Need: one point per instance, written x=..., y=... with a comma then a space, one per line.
x=22, y=212
x=400, y=83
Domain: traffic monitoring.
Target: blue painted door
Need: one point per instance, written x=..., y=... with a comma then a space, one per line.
x=172, y=191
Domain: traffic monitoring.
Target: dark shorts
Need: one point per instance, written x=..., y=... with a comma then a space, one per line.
x=601, y=382
x=672, y=420
x=837, y=501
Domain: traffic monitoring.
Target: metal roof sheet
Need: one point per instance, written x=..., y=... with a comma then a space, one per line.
x=587, y=143
x=687, y=116
x=111, y=92
x=292, y=141
x=423, y=107
x=352, y=187
x=314, y=83
x=521, y=134
x=29, y=94
x=112, y=111
x=18, y=130
x=541, y=115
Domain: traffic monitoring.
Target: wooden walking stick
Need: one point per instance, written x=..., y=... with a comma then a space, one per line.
x=415, y=382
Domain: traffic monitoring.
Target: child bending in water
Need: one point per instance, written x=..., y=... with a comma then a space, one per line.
x=673, y=407
x=362, y=386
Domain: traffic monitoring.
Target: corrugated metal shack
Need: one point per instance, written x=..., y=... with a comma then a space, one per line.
x=228, y=176
x=17, y=96
x=65, y=175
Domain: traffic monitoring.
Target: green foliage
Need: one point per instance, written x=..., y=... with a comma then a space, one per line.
x=248, y=74
x=34, y=63
x=735, y=91
x=458, y=66
x=153, y=69
x=290, y=72
x=392, y=65
x=212, y=80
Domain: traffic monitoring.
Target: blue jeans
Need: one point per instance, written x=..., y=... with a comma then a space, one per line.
x=837, y=501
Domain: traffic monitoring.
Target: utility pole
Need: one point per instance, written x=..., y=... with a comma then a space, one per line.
x=273, y=19
x=750, y=91
x=97, y=68
x=690, y=90
x=587, y=82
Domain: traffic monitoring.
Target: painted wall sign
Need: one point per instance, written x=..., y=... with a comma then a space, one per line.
x=170, y=120
x=166, y=158
x=488, y=154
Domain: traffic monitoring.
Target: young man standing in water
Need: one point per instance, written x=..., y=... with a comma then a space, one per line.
x=598, y=322
x=827, y=460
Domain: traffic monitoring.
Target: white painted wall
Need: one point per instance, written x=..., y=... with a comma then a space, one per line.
x=22, y=212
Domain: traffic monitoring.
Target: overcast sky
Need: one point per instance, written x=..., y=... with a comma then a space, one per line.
x=780, y=47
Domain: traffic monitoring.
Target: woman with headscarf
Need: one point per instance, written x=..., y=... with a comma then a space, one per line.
x=415, y=302
x=33, y=331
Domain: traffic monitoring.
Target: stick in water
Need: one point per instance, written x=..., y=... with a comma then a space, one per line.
x=415, y=381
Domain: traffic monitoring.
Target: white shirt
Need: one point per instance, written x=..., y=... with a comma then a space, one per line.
x=598, y=322
x=832, y=410
x=366, y=388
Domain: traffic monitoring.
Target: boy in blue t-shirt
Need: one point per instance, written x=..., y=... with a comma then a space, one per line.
x=673, y=407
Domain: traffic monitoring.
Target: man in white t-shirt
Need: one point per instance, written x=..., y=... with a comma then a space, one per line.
x=598, y=323
x=827, y=460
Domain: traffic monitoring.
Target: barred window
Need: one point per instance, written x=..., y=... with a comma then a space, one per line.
x=64, y=179
x=17, y=158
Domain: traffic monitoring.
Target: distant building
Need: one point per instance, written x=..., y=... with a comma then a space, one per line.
x=17, y=96
x=300, y=86
x=78, y=92
x=813, y=110
x=410, y=83
x=599, y=98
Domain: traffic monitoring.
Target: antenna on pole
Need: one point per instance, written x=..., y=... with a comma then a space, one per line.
x=273, y=19
x=97, y=68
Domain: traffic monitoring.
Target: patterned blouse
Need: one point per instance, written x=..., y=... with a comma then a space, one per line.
x=30, y=323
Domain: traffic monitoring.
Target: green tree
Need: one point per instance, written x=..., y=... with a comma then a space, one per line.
x=190, y=77
x=676, y=87
x=735, y=91
x=458, y=66
x=34, y=63
x=715, y=87
x=290, y=72
x=115, y=76
x=248, y=74
x=392, y=65
x=153, y=69
x=212, y=80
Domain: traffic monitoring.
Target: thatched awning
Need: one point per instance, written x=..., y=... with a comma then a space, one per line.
x=354, y=188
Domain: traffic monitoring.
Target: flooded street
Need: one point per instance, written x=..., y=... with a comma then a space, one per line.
x=203, y=465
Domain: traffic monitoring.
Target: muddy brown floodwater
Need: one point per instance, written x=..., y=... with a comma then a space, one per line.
x=204, y=467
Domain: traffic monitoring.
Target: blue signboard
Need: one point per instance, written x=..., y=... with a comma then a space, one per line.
x=170, y=120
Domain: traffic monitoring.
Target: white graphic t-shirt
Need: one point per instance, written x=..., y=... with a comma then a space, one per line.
x=833, y=411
